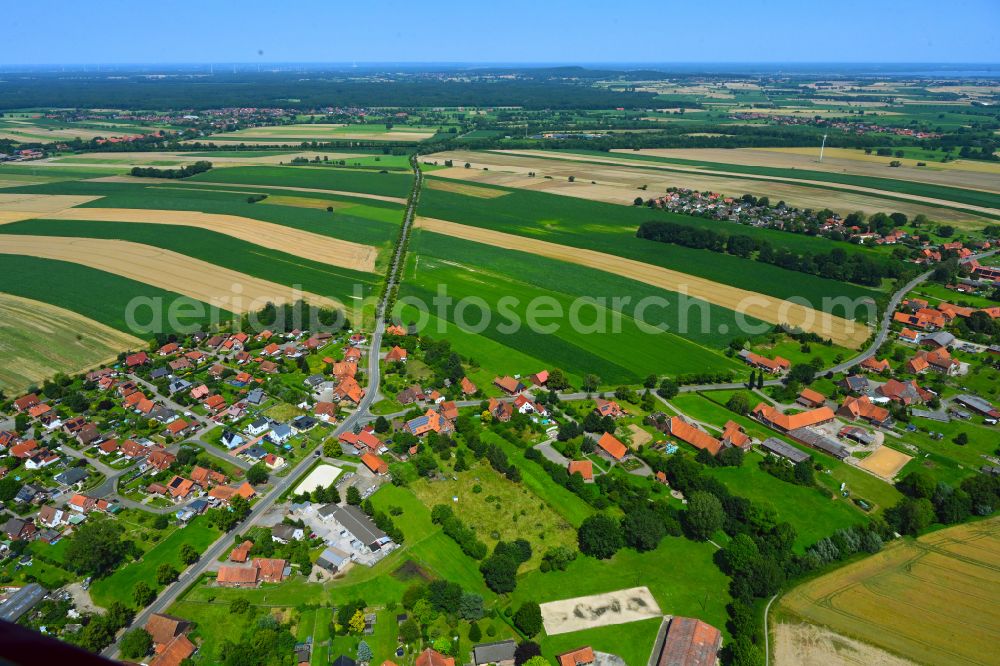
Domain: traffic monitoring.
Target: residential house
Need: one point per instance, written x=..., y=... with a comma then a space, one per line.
x=872, y=364
x=160, y=459
x=582, y=656
x=271, y=570
x=24, y=403
x=909, y=335
x=684, y=431
x=690, y=642
x=280, y=433
x=136, y=360
x=325, y=411
x=205, y=477
x=854, y=384
x=775, y=366
x=410, y=395
x=907, y=393
x=71, y=476
x=786, y=422
x=20, y=529
x=810, y=398
x=863, y=408
x=508, y=384
x=179, y=487
x=258, y=427
x=584, y=468
x=178, y=428
x=431, y=657
x=375, y=464
x=539, y=378
x=241, y=552
x=612, y=447
x=432, y=421
x=348, y=390
x=396, y=355
x=608, y=408
x=734, y=435
x=51, y=517
x=468, y=388
x=364, y=441
x=283, y=533
x=938, y=359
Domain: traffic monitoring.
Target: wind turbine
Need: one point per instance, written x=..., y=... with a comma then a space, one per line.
x=821, y=147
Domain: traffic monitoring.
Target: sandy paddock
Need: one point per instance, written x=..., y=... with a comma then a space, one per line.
x=296, y=242
x=215, y=285
x=321, y=477
x=599, y=610
x=810, y=645
x=639, y=436
x=766, y=308
x=885, y=462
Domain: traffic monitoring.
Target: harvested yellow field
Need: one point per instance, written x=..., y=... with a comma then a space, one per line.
x=934, y=600
x=968, y=174
x=38, y=339
x=809, y=645
x=41, y=203
x=215, y=285
x=316, y=247
x=766, y=308
x=885, y=462
x=467, y=190
x=616, y=180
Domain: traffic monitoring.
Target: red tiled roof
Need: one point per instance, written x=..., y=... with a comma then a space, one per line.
x=699, y=439
x=431, y=657
x=584, y=467
x=614, y=448
x=577, y=657
x=793, y=421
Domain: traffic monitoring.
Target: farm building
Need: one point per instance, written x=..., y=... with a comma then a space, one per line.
x=777, y=447
x=979, y=405
x=690, y=642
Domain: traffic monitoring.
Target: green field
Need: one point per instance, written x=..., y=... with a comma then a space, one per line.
x=214, y=248
x=101, y=296
x=607, y=342
x=366, y=182
x=118, y=586
x=611, y=228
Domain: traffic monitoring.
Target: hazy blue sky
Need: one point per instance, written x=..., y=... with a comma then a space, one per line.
x=114, y=31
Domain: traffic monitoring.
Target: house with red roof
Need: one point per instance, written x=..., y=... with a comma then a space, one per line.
x=863, y=408
x=872, y=364
x=468, y=388
x=684, y=431
x=768, y=415
x=608, y=408
x=24, y=403
x=136, y=360
x=431, y=657
x=396, y=355
x=775, y=366
x=374, y=463
x=508, y=384
x=612, y=447
x=810, y=398
x=584, y=468
x=581, y=656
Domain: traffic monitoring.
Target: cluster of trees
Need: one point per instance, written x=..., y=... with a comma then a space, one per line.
x=383, y=521
x=200, y=166
x=264, y=641
x=926, y=502
x=290, y=316
x=97, y=548
x=464, y=536
x=101, y=629
x=801, y=473
x=226, y=519
x=837, y=264
x=500, y=569
x=435, y=609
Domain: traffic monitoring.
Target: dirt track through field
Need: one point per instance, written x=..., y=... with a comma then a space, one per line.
x=296, y=242
x=215, y=285
x=38, y=339
x=766, y=308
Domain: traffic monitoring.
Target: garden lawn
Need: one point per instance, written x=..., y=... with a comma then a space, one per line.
x=118, y=586
x=501, y=511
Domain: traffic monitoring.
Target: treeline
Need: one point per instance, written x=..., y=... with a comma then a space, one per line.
x=837, y=264
x=464, y=536
x=251, y=89
x=201, y=166
x=384, y=522
x=926, y=502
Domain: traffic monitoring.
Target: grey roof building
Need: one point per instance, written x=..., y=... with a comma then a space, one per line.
x=499, y=652
x=21, y=601
x=783, y=449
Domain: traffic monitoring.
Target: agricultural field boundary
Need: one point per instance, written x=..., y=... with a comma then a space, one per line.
x=766, y=308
